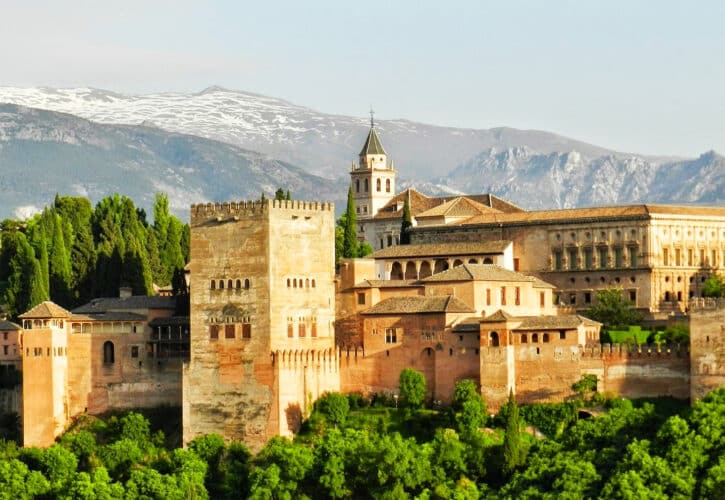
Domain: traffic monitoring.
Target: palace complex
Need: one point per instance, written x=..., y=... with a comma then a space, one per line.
x=486, y=291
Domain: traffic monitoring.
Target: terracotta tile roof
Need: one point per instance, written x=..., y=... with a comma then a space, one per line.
x=442, y=249
x=480, y=272
x=420, y=203
x=568, y=321
x=105, y=304
x=45, y=310
x=9, y=325
x=458, y=207
x=594, y=213
x=388, y=284
x=419, y=305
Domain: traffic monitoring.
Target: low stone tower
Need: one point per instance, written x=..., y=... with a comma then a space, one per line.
x=262, y=312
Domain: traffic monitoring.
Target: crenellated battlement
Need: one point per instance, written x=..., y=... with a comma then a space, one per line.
x=635, y=350
x=305, y=358
x=223, y=211
x=706, y=303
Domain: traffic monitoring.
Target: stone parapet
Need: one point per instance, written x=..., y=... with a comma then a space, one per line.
x=203, y=212
x=635, y=350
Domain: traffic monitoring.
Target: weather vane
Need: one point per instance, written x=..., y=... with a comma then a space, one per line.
x=372, y=119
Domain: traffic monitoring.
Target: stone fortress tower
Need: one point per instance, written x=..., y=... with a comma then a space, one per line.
x=262, y=311
x=373, y=178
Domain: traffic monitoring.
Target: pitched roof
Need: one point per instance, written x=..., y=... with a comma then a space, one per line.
x=372, y=144
x=498, y=316
x=481, y=272
x=388, y=284
x=45, y=310
x=460, y=206
x=447, y=249
x=418, y=305
x=591, y=213
x=9, y=325
x=566, y=321
x=105, y=304
x=419, y=203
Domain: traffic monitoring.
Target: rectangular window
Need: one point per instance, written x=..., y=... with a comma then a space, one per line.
x=516, y=263
x=557, y=261
x=633, y=296
x=488, y=296
x=503, y=295
x=301, y=330
x=228, y=331
x=713, y=258
x=665, y=256
x=518, y=296
x=587, y=258
x=572, y=299
x=587, y=297
x=313, y=329
x=290, y=330
x=618, y=257
x=603, y=257
x=702, y=257
x=213, y=332
x=562, y=335
x=542, y=299
x=633, y=262
x=5, y=350
x=689, y=257
x=573, y=258
x=678, y=257
x=391, y=336
x=361, y=299
x=134, y=351
x=246, y=331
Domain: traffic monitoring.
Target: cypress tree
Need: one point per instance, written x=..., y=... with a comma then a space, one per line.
x=513, y=447
x=60, y=267
x=350, y=243
x=406, y=223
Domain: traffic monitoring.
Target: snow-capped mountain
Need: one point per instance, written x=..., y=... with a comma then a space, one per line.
x=533, y=169
x=43, y=153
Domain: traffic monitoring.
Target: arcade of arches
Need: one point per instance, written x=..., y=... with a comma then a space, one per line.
x=422, y=268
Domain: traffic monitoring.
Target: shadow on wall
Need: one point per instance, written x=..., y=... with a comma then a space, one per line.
x=294, y=417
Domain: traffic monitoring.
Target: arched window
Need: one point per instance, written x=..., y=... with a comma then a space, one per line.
x=378, y=185
x=357, y=185
x=294, y=283
x=535, y=338
x=221, y=284
x=313, y=283
x=457, y=262
x=213, y=284
x=546, y=338
x=472, y=261
x=307, y=283
x=239, y=284
x=108, y=354
x=524, y=339
x=246, y=284
x=229, y=284
x=289, y=283
x=494, y=339
x=488, y=260
x=366, y=185
x=387, y=185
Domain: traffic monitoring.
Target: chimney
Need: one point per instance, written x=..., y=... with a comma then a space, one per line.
x=125, y=292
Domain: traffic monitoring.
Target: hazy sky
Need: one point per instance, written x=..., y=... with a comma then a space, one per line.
x=640, y=76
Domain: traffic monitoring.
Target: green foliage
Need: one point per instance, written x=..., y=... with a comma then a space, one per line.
x=676, y=333
x=406, y=223
x=348, y=222
x=586, y=385
x=714, y=286
x=613, y=310
x=514, y=451
x=412, y=388
x=465, y=390
x=334, y=406
x=632, y=335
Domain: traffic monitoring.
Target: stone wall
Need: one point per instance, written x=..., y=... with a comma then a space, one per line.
x=707, y=346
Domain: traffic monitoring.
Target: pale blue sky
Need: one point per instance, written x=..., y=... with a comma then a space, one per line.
x=640, y=76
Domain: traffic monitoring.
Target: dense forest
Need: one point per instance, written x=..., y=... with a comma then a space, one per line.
x=352, y=447
x=72, y=252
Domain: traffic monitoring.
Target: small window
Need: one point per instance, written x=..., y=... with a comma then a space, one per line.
x=387, y=185
x=213, y=284
x=562, y=335
x=546, y=338
x=294, y=283
x=357, y=185
x=313, y=330
x=542, y=299
x=289, y=282
x=488, y=296
x=535, y=338
x=134, y=351
x=229, y=331
x=633, y=296
x=378, y=185
x=313, y=283
x=229, y=284
x=290, y=330
x=213, y=332
x=518, y=296
x=391, y=336
x=246, y=331
x=238, y=284
x=493, y=336
x=302, y=330
x=572, y=299
x=524, y=338
x=361, y=299
x=307, y=282
x=221, y=284
x=246, y=284
x=503, y=295
x=587, y=297
x=108, y=354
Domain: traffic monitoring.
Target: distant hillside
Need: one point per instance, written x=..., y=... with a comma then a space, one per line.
x=533, y=169
x=43, y=153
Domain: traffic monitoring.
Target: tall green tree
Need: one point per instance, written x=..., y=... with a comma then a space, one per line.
x=714, y=286
x=407, y=222
x=349, y=225
x=514, y=452
x=412, y=388
x=20, y=276
x=75, y=213
x=60, y=272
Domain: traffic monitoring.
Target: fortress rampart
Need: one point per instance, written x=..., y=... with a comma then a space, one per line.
x=202, y=212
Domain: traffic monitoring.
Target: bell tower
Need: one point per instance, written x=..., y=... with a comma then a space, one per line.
x=373, y=178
